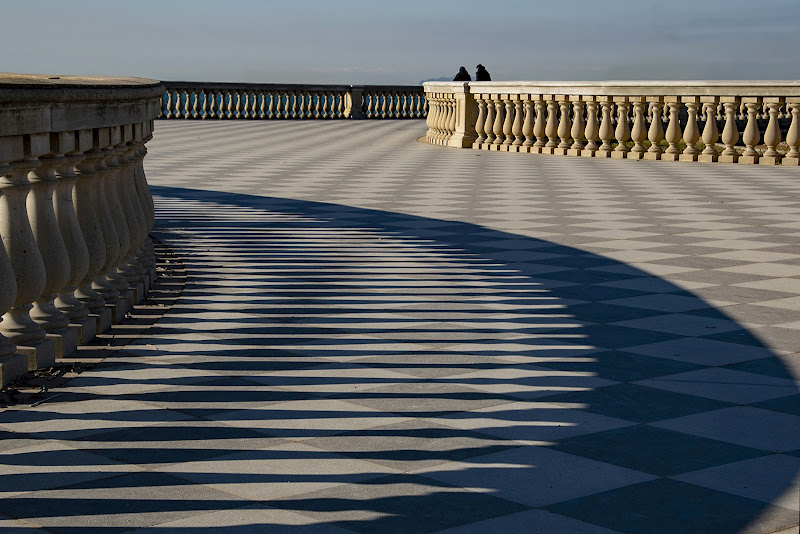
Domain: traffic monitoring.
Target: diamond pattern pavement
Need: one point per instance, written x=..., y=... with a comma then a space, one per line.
x=378, y=335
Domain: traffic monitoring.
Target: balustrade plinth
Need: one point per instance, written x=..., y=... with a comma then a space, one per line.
x=67, y=220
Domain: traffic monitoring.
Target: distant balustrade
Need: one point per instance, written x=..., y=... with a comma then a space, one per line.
x=75, y=211
x=224, y=101
x=707, y=122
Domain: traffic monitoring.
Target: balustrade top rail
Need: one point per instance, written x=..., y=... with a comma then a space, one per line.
x=223, y=100
x=572, y=118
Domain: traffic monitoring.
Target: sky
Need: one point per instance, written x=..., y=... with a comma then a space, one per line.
x=402, y=41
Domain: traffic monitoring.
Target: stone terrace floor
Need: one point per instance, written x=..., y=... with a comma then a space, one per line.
x=378, y=335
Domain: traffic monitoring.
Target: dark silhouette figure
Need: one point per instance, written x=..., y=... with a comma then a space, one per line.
x=462, y=76
x=482, y=75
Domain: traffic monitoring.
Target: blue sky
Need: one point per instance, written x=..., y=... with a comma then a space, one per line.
x=405, y=41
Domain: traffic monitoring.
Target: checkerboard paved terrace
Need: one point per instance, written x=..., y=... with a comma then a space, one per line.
x=378, y=335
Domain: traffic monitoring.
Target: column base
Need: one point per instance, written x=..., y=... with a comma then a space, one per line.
x=652, y=156
x=574, y=151
x=40, y=355
x=66, y=341
x=12, y=367
x=748, y=160
x=670, y=157
x=635, y=155
x=602, y=154
x=87, y=330
x=789, y=161
x=619, y=155
x=588, y=153
x=102, y=320
x=548, y=150
x=769, y=160
x=137, y=292
x=728, y=159
x=707, y=158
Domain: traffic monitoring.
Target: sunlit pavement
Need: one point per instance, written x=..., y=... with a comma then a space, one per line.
x=378, y=335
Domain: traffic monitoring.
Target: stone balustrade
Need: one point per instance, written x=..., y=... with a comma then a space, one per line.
x=195, y=100
x=75, y=211
x=704, y=121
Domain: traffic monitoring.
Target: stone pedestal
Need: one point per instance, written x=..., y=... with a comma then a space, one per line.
x=41, y=355
x=12, y=367
x=118, y=310
x=748, y=160
x=66, y=341
x=102, y=320
x=87, y=330
x=707, y=158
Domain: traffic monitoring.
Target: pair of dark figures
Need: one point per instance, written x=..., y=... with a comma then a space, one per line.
x=481, y=75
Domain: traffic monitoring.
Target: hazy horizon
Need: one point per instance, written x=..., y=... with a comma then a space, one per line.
x=361, y=41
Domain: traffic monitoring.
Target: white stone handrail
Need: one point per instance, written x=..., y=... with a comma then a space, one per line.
x=75, y=211
x=746, y=122
x=203, y=100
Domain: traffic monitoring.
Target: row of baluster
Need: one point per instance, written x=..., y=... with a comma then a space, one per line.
x=77, y=212
x=621, y=127
x=199, y=103
x=441, y=118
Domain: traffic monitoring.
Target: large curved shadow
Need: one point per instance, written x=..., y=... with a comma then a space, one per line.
x=459, y=374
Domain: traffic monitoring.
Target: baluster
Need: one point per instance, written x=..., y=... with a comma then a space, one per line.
x=116, y=271
x=772, y=135
x=730, y=133
x=516, y=127
x=168, y=114
x=24, y=255
x=272, y=96
x=406, y=105
x=508, y=123
x=187, y=104
x=451, y=118
x=296, y=103
x=341, y=107
x=606, y=129
x=673, y=135
x=527, y=124
x=488, y=126
x=12, y=365
x=444, y=120
x=385, y=108
x=792, y=157
x=240, y=96
x=232, y=97
x=203, y=111
x=551, y=128
x=196, y=104
x=178, y=114
x=639, y=130
x=751, y=136
x=212, y=104
x=691, y=133
x=421, y=106
x=564, y=126
x=578, y=127
x=429, y=124
x=623, y=131
x=318, y=105
x=439, y=113
x=128, y=266
x=480, y=122
x=592, y=127
x=499, y=120
x=326, y=113
x=51, y=246
x=710, y=132
x=247, y=105
x=539, y=125
x=656, y=132
x=89, y=222
x=72, y=236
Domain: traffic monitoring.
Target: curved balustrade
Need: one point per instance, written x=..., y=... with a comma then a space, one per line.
x=729, y=122
x=193, y=100
x=75, y=211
